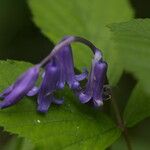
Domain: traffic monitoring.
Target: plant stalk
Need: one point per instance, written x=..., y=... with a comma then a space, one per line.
x=121, y=124
x=67, y=41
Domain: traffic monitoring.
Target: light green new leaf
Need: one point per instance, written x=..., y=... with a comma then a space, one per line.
x=70, y=126
x=83, y=18
x=138, y=107
x=132, y=40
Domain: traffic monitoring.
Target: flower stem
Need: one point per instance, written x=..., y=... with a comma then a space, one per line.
x=67, y=41
x=121, y=124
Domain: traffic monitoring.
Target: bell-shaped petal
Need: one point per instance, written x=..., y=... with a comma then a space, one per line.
x=82, y=76
x=20, y=88
x=95, y=84
x=67, y=69
x=33, y=91
x=49, y=85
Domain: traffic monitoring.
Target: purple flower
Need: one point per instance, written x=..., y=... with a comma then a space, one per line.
x=49, y=86
x=65, y=58
x=59, y=70
x=95, y=84
x=20, y=88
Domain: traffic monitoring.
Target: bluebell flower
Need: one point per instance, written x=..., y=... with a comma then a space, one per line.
x=95, y=84
x=59, y=70
x=49, y=86
x=64, y=55
x=20, y=88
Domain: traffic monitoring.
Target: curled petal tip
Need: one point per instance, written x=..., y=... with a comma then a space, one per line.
x=42, y=110
x=61, y=85
x=4, y=104
x=82, y=76
x=98, y=55
x=84, y=98
x=58, y=101
x=33, y=91
x=75, y=85
x=98, y=103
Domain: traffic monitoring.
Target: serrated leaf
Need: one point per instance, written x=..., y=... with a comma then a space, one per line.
x=69, y=126
x=132, y=40
x=83, y=18
x=138, y=107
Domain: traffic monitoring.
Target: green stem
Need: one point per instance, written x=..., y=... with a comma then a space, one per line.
x=67, y=41
x=121, y=124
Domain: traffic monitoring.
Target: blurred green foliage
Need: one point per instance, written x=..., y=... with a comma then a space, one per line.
x=20, y=39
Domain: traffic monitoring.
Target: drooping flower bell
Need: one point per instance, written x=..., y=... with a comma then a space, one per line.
x=20, y=88
x=49, y=86
x=64, y=55
x=94, y=87
x=58, y=70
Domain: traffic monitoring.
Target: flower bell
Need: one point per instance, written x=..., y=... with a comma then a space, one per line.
x=49, y=86
x=20, y=88
x=58, y=70
x=95, y=84
x=64, y=55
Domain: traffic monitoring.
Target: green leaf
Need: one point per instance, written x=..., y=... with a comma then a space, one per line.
x=138, y=107
x=70, y=126
x=16, y=143
x=138, y=143
x=84, y=18
x=132, y=40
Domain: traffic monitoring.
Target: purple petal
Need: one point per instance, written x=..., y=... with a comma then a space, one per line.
x=60, y=84
x=21, y=87
x=43, y=74
x=49, y=85
x=33, y=91
x=44, y=103
x=88, y=92
x=51, y=78
x=58, y=101
x=95, y=83
x=67, y=68
x=6, y=92
x=82, y=76
x=74, y=84
x=5, y=104
x=84, y=98
x=98, y=84
x=98, y=103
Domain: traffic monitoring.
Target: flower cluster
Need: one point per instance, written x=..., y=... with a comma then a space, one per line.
x=58, y=71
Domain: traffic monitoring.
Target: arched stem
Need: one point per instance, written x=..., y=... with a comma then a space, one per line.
x=67, y=41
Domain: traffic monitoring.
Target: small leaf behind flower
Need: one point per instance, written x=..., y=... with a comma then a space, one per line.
x=132, y=40
x=138, y=107
x=87, y=18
